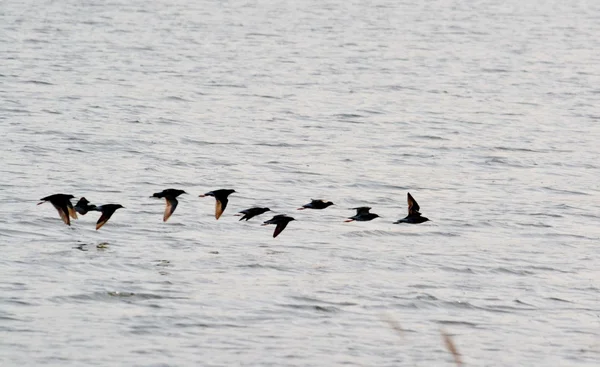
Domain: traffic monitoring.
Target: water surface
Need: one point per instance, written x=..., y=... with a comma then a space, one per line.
x=487, y=113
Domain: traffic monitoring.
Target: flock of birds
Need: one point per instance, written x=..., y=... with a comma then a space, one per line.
x=66, y=210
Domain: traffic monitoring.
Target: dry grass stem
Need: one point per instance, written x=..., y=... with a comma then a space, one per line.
x=393, y=324
x=451, y=347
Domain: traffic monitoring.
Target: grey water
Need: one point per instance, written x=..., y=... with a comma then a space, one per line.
x=486, y=112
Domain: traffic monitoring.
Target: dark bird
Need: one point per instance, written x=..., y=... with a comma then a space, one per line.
x=362, y=215
x=62, y=203
x=83, y=206
x=252, y=212
x=221, y=200
x=281, y=221
x=170, y=196
x=107, y=211
x=316, y=204
x=413, y=217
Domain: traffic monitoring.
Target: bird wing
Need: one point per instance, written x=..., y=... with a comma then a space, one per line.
x=71, y=210
x=413, y=206
x=170, y=208
x=280, y=227
x=104, y=218
x=82, y=202
x=62, y=211
x=362, y=210
x=220, y=206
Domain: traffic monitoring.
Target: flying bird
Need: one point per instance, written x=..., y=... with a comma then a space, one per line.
x=170, y=196
x=281, y=220
x=316, y=204
x=413, y=217
x=221, y=200
x=252, y=212
x=83, y=206
x=362, y=215
x=107, y=211
x=62, y=203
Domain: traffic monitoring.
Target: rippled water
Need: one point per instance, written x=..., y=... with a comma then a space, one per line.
x=487, y=113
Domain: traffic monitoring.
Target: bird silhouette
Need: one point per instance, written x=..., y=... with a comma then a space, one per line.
x=62, y=204
x=413, y=217
x=252, y=212
x=362, y=215
x=107, y=211
x=316, y=204
x=281, y=220
x=83, y=206
x=170, y=196
x=221, y=200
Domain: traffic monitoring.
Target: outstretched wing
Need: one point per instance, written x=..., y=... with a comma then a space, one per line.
x=71, y=210
x=220, y=206
x=280, y=227
x=171, y=206
x=63, y=212
x=413, y=206
x=362, y=210
x=104, y=218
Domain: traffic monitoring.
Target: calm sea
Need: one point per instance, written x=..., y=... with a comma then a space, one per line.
x=486, y=112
